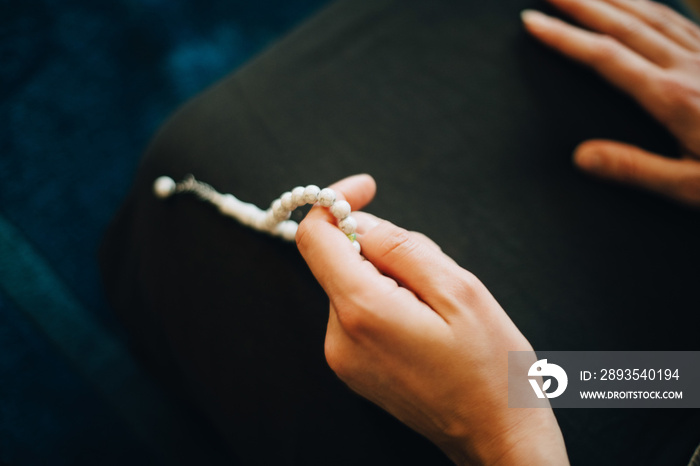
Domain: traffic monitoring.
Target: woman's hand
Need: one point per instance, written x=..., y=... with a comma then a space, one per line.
x=421, y=337
x=652, y=53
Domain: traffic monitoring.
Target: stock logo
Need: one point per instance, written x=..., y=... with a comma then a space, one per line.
x=543, y=369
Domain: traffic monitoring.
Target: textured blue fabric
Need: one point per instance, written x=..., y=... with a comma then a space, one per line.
x=83, y=86
x=100, y=371
x=48, y=413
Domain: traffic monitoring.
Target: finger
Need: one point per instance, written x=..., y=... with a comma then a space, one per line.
x=428, y=241
x=357, y=190
x=331, y=257
x=609, y=19
x=665, y=20
x=366, y=222
x=615, y=62
x=419, y=266
x=676, y=178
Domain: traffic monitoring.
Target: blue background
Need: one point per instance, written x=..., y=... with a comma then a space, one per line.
x=84, y=84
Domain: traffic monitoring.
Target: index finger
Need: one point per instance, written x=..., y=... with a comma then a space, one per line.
x=618, y=64
x=333, y=260
x=614, y=20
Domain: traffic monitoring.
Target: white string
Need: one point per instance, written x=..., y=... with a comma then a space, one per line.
x=275, y=220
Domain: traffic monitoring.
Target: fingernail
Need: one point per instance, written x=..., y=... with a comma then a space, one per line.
x=534, y=18
x=365, y=222
x=589, y=160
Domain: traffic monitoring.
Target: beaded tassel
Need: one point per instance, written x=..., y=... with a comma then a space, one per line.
x=275, y=220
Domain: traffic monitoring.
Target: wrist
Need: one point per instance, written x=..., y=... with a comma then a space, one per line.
x=526, y=436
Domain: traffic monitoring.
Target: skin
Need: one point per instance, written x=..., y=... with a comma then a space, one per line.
x=418, y=335
x=652, y=53
x=413, y=332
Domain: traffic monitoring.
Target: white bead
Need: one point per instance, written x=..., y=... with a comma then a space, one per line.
x=230, y=206
x=276, y=205
x=287, y=201
x=326, y=197
x=164, y=187
x=348, y=225
x=253, y=209
x=311, y=193
x=287, y=230
x=269, y=221
x=260, y=219
x=226, y=204
x=249, y=214
x=277, y=208
x=279, y=213
x=274, y=220
x=298, y=196
x=340, y=209
x=260, y=222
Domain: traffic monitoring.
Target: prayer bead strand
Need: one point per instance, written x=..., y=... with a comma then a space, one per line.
x=275, y=220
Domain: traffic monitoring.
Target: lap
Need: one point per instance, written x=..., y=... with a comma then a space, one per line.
x=467, y=126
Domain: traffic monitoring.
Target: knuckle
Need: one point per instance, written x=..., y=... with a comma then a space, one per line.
x=662, y=17
x=353, y=315
x=426, y=240
x=465, y=288
x=351, y=320
x=398, y=243
x=677, y=92
x=337, y=359
x=469, y=285
x=672, y=88
x=680, y=99
x=628, y=29
x=607, y=50
x=470, y=281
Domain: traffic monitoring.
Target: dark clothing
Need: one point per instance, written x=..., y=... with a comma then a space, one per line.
x=468, y=126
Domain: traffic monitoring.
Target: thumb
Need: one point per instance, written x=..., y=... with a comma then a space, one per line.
x=326, y=249
x=676, y=178
x=418, y=264
x=358, y=190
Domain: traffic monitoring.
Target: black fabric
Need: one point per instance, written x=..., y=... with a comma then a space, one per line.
x=467, y=125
